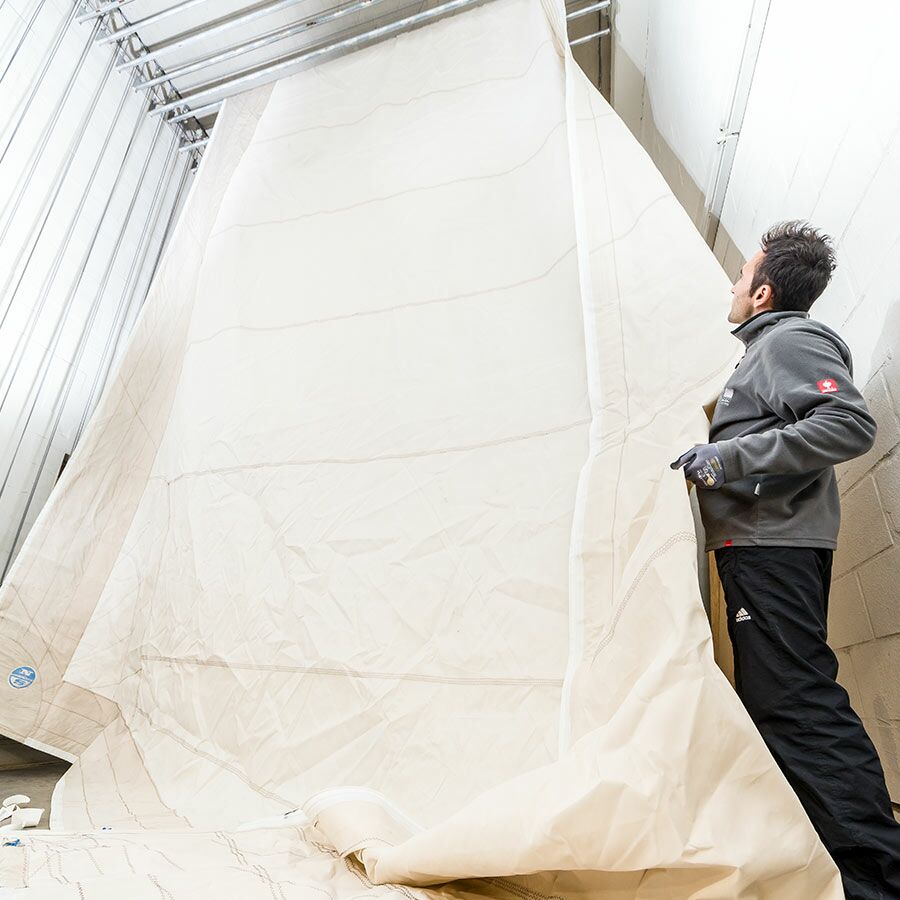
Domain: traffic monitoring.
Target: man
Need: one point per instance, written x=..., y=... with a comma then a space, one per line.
x=770, y=506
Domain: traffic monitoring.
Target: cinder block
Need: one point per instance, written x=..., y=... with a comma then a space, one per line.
x=848, y=621
x=734, y=259
x=888, y=436
x=886, y=738
x=887, y=477
x=875, y=666
x=721, y=244
x=847, y=679
x=864, y=530
x=879, y=579
x=889, y=360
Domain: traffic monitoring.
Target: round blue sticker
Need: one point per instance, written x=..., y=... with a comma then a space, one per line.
x=22, y=677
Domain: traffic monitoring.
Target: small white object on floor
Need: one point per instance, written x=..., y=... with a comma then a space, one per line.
x=20, y=817
x=11, y=804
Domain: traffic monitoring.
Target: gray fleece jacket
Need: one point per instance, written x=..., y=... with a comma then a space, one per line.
x=787, y=415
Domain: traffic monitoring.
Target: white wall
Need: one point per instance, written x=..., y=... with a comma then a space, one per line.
x=689, y=110
x=57, y=253
x=675, y=70
x=819, y=140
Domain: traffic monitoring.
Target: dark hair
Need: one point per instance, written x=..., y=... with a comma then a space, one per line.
x=797, y=265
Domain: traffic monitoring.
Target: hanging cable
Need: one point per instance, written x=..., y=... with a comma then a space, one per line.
x=129, y=292
x=180, y=199
x=24, y=182
x=68, y=379
x=44, y=367
x=37, y=308
x=48, y=204
x=23, y=38
x=25, y=104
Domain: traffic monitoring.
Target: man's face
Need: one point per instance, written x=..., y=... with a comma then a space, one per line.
x=743, y=305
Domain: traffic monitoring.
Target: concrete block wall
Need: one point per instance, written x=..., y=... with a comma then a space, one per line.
x=864, y=614
x=815, y=143
x=663, y=54
x=836, y=162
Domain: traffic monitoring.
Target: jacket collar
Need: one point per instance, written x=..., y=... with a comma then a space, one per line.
x=753, y=328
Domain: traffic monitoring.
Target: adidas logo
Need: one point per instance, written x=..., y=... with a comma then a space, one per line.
x=742, y=615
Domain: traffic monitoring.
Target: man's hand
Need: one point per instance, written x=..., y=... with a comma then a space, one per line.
x=703, y=466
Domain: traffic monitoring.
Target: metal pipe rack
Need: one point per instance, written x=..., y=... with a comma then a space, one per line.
x=184, y=109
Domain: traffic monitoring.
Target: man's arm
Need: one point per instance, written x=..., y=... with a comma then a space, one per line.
x=808, y=384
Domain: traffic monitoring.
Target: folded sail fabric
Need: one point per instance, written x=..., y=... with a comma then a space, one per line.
x=370, y=568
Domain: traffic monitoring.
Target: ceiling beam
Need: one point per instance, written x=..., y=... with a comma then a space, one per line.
x=187, y=38
x=264, y=40
x=594, y=7
x=133, y=27
x=590, y=37
x=246, y=78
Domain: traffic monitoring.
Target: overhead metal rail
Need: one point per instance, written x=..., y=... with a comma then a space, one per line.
x=129, y=46
x=183, y=110
x=264, y=40
x=243, y=79
x=603, y=32
x=135, y=27
x=587, y=10
x=185, y=39
x=193, y=145
x=102, y=10
x=197, y=112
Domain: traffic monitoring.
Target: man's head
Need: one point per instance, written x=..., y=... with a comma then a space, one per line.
x=790, y=271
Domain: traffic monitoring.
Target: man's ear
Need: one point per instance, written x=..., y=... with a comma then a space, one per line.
x=763, y=296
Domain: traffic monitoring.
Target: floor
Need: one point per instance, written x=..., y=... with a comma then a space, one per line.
x=29, y=772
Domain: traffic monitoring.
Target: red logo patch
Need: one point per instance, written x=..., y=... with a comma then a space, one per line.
x=827, y=386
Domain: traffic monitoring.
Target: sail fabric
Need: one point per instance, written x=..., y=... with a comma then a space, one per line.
x=370, y=569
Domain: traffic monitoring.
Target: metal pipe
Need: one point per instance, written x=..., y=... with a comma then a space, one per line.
x=23, y=37
x=133, y=27
x=589, y=37
x=178, y=197
x=129, y=49
x=238, y=83
x=263, y=40
x=126, y=298
x=40, y=145
x=191, y=37
x=19, y=115
x=102, y=11
x=68, y=380
x=594, y=7
x=196, y=113
x=133, y=309
x=193, y=145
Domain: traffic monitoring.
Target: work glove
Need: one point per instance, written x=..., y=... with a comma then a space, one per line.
x=702, y=465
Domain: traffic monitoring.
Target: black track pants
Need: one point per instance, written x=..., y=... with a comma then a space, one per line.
x=777, y=602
